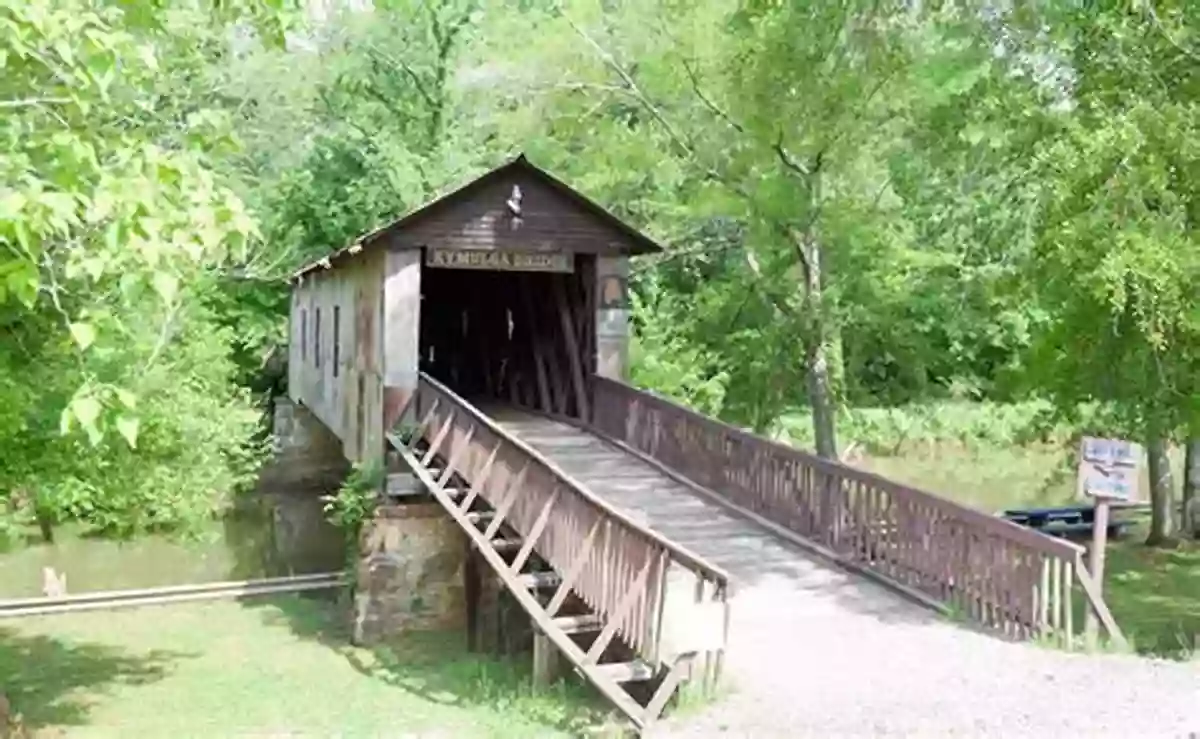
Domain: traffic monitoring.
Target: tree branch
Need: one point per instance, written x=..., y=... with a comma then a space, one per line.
x=630, y=84
x=1158, y=24
x=759, y=283
x=708, y=102
x=789, y=161
x=382, y=56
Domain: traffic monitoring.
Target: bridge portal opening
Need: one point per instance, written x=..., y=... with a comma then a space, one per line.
x=524, y=338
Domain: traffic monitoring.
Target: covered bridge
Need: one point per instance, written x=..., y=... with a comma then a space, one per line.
x=483, y=340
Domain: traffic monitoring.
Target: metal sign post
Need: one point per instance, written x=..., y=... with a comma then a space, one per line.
x=1109, y=470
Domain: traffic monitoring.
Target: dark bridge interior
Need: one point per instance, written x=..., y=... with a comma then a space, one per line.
x=524, y=338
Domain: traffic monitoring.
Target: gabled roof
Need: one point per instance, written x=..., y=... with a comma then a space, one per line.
x=640, y=243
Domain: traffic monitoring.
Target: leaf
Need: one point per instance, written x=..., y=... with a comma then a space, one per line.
x=64, y=51
x=166, y=285
x=86, y=410
x=84, y=334
x=128, y=399
x=127, y=426
x=23, y=283
x=146, y=52
x=94, y=266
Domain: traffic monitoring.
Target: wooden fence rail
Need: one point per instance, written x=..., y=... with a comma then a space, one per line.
x=1005, y=577
x=615, y=565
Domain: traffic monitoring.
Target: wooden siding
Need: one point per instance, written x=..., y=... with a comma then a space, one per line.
x=347, y=396
x=549, y=221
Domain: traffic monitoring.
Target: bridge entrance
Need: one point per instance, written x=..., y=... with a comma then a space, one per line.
x=511, y=335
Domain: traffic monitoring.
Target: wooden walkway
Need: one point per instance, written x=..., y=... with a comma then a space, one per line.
x=652, y=498
x=627, y=538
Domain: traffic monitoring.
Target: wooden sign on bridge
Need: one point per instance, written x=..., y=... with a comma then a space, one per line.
x=503, y=260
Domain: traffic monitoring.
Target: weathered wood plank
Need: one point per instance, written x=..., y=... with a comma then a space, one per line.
x=401, y=330
x=572, y=346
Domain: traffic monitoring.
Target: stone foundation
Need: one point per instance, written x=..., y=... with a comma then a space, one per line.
x=410, y=575
x=282, y=528
x=308, y=456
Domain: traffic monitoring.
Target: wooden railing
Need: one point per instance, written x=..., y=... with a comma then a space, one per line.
x=1006, y=577
x=615, y=565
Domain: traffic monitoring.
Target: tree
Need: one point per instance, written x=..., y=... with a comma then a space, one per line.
x=772, y=122
x=1118, y=259
x=374, y=133
x=114, y=224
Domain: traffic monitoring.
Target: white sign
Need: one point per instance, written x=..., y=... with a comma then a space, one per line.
x=1110, y=468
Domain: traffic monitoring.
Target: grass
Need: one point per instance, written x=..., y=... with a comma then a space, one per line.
x=986, y=478
x=277, y=667
x=1155, y=596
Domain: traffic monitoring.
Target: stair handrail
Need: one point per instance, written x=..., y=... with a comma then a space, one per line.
x=680, y=553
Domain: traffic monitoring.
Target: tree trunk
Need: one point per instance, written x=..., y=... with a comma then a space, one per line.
x=1191, y=488
x=46, y=526
x=816, y=355
x=820, y=396
x=1161, y=494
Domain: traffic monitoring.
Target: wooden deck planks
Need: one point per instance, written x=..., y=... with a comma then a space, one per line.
x=647, y=495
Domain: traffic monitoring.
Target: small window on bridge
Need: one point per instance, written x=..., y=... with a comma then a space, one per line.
x=337, y=338
x=317, y=339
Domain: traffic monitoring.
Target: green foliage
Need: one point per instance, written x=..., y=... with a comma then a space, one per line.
x=936, y=204
x=353, y=505
x=356, y=499
x=106, y=219
x=120, y=408
x=891, y=430
x=1119, y=246
x=373, y=134
x=665, y=360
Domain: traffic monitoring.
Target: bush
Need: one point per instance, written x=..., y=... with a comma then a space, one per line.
x=887, y=431
x=195, y=442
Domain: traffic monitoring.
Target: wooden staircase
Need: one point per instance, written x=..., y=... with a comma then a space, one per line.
x=450, y=470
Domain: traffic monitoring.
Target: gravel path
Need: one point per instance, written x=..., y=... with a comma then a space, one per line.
x=816, y=652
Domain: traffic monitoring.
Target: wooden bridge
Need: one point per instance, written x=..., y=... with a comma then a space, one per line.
x=483, y=340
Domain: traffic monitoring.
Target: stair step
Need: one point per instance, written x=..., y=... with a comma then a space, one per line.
x=454, y=492
x=404, y=485
x=506, y=545
x=537, y=580
x=579, y=624
x=478, y=516
x=626, y=672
